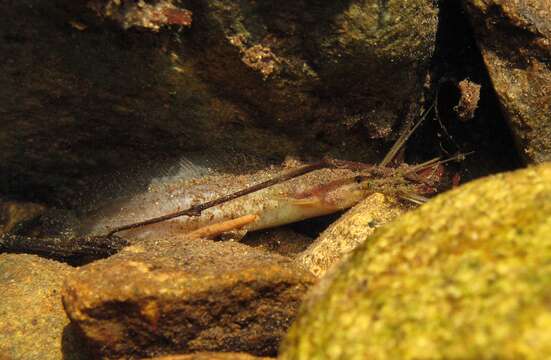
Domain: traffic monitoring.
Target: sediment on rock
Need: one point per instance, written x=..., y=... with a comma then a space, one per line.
x=243, y=77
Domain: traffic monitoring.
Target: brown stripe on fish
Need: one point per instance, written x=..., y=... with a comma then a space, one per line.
x=321, y=190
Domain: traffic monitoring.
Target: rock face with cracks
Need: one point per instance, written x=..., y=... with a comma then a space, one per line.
x=515, y=40
x=467, y=276
x=33, y=325
x=163, y=297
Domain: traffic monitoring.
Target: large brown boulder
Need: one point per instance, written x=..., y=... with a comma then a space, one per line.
x=164, y=297
x=515, y=40
x=93, y=87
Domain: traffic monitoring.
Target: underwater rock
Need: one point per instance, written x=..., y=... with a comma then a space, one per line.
x=33, y=324
x=168, y=296
x=323, y=70
x=345, y=234
x=304, y=79
x=467, y=275
x=515, y=40
x=141, y=14
x=82, y=98
x=211, y=356
x=14, y=213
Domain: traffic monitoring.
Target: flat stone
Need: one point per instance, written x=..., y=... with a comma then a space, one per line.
x=345, y=234
x=515, y=40
x=467, y=275
x=33, y=324
x=162, y=297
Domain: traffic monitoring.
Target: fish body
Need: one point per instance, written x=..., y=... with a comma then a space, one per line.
x=314, y=194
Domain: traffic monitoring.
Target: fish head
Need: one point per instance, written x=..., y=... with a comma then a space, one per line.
x=347, y=192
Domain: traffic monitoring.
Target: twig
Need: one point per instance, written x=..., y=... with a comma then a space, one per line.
x=403, y=138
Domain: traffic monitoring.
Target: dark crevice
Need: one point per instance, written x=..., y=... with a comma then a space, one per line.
x=456, y=58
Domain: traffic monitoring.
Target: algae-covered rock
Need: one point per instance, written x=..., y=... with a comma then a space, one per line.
x=467, y=275
x=33, y=324
x=515, y=40
x=345, y=234
x=181, y=296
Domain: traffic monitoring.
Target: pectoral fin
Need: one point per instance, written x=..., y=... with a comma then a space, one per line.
x=222, y=227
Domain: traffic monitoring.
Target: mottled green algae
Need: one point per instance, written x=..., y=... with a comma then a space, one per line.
x=466, y=276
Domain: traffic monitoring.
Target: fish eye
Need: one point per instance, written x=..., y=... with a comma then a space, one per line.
x=360, y=178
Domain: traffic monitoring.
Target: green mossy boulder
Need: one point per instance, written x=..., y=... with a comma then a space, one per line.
x=466, y=276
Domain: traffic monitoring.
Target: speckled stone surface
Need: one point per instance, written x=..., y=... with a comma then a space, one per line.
x=163, y=297
x=515, y=41
x=368, y=57
x=468, y=275
x=344, y=235
x=33, y=324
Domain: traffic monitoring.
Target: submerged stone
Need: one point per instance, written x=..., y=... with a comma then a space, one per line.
x=33, y=324
x=468, y=275
x=182, y=296
x=515, y=40
x=320, y=69
x=14, y=213
x=345, y=234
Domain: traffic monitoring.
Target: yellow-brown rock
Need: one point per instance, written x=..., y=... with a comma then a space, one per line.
x=468, y=275
x=33, y=325
x=163, y=297
x=345, y=234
